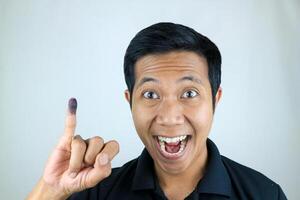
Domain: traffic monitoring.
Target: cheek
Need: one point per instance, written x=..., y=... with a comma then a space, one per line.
x=201, y=118
x=142, y=119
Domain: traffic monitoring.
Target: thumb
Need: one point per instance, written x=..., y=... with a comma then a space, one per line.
x=102, y=166
x=101, y=170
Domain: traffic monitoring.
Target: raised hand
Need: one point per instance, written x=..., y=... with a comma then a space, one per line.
x=75, y=164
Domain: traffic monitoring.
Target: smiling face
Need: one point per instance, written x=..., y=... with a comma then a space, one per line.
x=172, y=109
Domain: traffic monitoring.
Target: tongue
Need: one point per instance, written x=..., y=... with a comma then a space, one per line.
x=172, y=148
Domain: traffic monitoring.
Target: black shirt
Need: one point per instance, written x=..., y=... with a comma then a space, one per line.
x=223, y=179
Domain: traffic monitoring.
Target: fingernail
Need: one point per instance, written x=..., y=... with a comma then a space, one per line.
x=73, y=175
x=103, y=159
x=73, y=106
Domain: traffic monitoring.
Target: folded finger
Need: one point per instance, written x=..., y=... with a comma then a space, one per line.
x=102, y=166
x=111, y=148
x=94, y=146
x=78, y=148
x=99, y=172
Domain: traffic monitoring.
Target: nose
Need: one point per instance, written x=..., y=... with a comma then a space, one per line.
x=170, y=113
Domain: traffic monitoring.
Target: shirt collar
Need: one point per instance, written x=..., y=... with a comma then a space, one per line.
x=215, y=180
x=144, y=174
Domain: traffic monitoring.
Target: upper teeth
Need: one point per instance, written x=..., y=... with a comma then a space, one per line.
x=171, y=140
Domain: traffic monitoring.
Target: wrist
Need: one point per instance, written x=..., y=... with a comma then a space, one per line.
x=43, y=191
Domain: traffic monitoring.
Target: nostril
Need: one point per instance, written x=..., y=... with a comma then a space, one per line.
x=179, y=119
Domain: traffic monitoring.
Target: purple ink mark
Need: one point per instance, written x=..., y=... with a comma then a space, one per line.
x=73, y=106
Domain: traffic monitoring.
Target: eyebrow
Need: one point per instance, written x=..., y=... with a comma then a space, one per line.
x=185, y=78
x=147, y=79
x=190, y=78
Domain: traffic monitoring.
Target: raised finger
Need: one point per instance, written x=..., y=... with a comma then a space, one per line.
x=94, y=146
x=70, y=123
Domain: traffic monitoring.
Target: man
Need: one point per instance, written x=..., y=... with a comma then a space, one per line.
x=173, y=75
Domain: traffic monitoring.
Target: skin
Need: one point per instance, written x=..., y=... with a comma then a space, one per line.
x=169, y=111
x=77, y=164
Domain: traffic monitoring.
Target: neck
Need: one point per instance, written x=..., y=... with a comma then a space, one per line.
x=186, y=180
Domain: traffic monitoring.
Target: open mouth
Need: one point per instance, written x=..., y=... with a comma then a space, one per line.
x=172, y=147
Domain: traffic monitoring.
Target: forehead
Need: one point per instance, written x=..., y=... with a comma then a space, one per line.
x=176, y=62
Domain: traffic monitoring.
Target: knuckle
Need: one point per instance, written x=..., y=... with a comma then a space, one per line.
x=78, y=140
x=114, y=144
x=79, y=145
x=97, y=140
x=77, y=137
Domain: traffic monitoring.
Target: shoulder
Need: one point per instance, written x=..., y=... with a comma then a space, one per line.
x=120, y=174
x=117, y=178
x=251, y=182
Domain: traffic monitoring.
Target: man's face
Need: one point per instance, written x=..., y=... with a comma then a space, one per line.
x=172, y=108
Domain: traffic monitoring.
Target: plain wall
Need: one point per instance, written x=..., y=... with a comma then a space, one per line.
x=51, y=50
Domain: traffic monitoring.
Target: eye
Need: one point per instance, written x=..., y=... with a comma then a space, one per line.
x=190, y=94
x=150, y=95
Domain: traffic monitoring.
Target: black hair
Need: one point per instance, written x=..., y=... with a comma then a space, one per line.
x=167, y=37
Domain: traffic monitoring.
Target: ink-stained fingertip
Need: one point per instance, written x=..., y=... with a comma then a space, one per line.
x=72, y=105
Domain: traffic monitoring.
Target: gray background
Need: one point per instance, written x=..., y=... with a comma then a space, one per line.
x=51, y=50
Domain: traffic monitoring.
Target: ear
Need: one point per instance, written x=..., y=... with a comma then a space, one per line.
x=218, y=96
x=127, y=95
